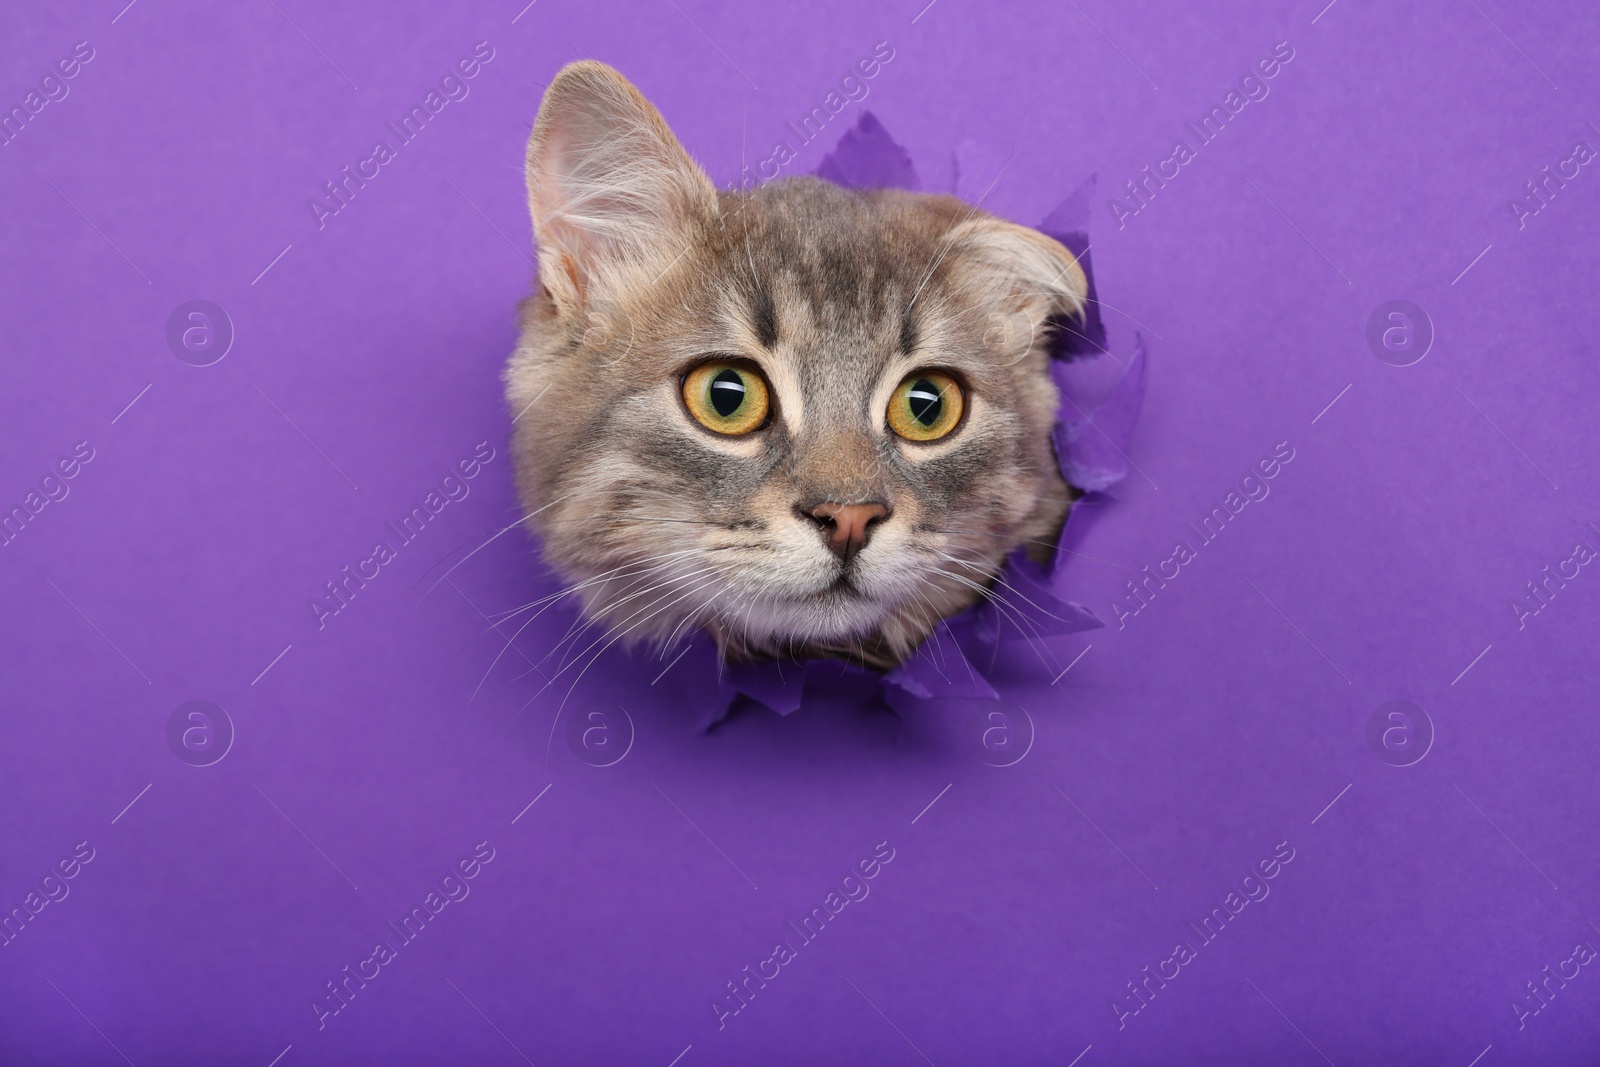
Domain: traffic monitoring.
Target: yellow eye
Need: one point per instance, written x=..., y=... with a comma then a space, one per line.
x=728, y=398
x=926, y=406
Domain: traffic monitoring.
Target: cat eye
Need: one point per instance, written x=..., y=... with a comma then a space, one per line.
x=926, y=406
x=727, y=397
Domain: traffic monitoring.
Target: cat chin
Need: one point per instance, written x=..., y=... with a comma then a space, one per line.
x=877, y=620
x=826, y=617
x=881, y=642
x=858, y=629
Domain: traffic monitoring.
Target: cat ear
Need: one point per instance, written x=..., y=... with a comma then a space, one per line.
x=612, y=192
x=1035, y=275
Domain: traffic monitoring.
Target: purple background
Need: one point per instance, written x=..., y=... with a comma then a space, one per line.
x=1179, y=750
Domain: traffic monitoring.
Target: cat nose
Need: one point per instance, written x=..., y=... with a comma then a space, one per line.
x=846, y=527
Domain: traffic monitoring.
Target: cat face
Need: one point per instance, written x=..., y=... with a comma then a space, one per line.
x=811, y=420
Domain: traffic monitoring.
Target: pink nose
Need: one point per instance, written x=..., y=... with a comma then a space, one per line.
x=846, y=527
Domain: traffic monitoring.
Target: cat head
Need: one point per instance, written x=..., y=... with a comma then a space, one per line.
x=809, y=419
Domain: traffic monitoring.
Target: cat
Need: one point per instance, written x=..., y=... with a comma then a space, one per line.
x=811, y=420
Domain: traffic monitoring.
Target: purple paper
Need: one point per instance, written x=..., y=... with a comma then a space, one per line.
x=1069, y=224
x=868, y=158
x=1317, y=791
x=1093, y=446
